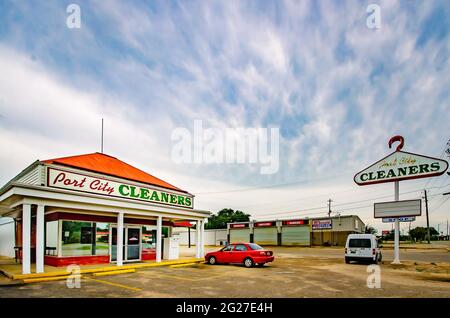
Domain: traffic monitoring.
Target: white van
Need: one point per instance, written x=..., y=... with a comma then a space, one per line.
x=362, y=247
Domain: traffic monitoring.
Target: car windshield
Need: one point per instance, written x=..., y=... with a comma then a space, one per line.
x=227, y=248
x=254, y=246
x=362, y=243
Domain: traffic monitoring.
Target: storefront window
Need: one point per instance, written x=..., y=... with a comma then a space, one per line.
x=148, y=238
x=101, y=238
x=51, y=238
x=77, y=238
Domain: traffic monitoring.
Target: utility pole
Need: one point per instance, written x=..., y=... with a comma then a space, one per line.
x=329, y=207
x=409, y=232
x=428, y=220
x=447, y=193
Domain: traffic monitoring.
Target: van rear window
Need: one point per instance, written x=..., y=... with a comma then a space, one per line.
x=364, y=243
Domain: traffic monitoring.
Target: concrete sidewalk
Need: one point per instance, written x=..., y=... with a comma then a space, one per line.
x=13, y=270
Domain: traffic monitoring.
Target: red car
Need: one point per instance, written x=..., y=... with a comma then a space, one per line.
x=248, y=254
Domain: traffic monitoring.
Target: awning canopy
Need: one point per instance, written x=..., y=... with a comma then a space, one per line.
x=182, y=224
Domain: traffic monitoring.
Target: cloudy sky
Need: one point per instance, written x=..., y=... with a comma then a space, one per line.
x=336, y=89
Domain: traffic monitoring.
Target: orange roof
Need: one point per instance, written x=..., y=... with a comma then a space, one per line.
x=101, y=163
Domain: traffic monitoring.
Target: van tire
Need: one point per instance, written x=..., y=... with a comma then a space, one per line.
x=347, y=260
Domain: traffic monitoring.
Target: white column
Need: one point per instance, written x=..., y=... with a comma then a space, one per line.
x=119, y=252
x=397, y=229
x=202, y=246
x=158, y=239
x=26, y=238
x=40, y=239
x=198, y=239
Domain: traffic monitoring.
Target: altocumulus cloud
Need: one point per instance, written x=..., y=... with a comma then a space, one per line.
x=336, y=89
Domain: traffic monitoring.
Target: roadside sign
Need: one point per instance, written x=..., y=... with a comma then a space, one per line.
x=385, y=232
x=396, y=209
x=401, y=165
x=398, y=166
x=402, y=219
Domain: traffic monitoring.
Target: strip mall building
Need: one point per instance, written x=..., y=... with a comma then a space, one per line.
x=330, y=231
x=93, y=209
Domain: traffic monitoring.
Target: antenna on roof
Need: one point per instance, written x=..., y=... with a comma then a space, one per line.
x=102, y=138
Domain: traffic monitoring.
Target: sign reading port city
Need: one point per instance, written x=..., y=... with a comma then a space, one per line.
x=401, y=165
x=74, y=181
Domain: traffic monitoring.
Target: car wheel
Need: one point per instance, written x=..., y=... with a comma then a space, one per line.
x=248, y=262
x=212, y=260
x=347, y=260
x=380, y=257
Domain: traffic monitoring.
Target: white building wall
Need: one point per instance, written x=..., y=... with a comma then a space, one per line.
x=212, y=237
x=7, y=237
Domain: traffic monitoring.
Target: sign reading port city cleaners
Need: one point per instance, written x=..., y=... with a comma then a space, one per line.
x=401, y=165
x=74, y=181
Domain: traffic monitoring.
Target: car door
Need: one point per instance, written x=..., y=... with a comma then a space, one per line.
x=225, y=255
x=239, y=253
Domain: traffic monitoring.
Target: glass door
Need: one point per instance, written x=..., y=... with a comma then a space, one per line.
x=133, y=246
x=131, y=243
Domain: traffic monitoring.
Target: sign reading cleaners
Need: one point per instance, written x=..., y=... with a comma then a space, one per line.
x=78, y=182
x=398, y=166
x=401, y=165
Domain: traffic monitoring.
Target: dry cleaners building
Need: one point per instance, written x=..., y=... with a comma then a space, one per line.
x=93, y=209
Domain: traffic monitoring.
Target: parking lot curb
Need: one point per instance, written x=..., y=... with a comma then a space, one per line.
x=49, y=279
x=103, y=269
x=115, y=272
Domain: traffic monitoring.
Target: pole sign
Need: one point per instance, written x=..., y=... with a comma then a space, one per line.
x=83, y=183
x=395, y=209
x=398, y=166
x=401, y=165
x=401, y=219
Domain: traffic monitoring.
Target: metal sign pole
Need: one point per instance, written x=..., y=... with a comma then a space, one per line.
x=397, y=229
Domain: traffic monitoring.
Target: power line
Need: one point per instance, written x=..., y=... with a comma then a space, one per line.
x=265, y=204
x=341, y=204
x=443, y=202
x=442, y=154
x=299, y=199
x=271, y=186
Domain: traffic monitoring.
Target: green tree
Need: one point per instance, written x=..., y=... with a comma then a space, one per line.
x=370, y=230
x=420, y=233
x=224, y=216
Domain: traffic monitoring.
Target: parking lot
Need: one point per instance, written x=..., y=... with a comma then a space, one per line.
x=296, y=272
